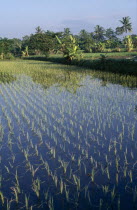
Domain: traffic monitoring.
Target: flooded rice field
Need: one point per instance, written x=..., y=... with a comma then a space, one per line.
x=68, y=138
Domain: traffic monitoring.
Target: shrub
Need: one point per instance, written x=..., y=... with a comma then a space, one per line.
x=117, y=49
x=2, y=56
x=9, y=56
x=68, y=47
x=98, y=47
x=108, y=50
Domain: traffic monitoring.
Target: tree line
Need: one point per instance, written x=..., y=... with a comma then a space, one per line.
x=46, y=42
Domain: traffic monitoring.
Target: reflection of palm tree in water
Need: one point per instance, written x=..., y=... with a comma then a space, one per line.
x=67, y=75
x=103, y=81
x=136, y=108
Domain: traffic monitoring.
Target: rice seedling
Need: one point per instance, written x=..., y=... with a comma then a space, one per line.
x=2, y=198
x=64, y=165
x=36, y=186
x=51, y=203
x=61, y=186
x=55, y=179
x=100, y=204
x=8, y=205
x=17, y=183
x=105, y=189
x=130, y=176
x=113, y=194
x=33, y=171
x=53, y=152
x=26, y=202
x=77, y=182
x=15, y=193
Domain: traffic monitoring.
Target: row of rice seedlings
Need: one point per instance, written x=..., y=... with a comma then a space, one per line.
x=8, y=119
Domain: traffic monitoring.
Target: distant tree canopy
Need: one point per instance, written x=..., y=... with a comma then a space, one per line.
x=5, y=45
x=85, y=41
x=45, y=42
x=40, y=43
x=134, y=40
x=110, y=34
x=99, y=33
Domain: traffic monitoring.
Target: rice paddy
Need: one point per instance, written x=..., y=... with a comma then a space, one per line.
x=68, y=138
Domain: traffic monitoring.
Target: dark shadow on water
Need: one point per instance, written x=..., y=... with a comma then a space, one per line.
x=62, y=71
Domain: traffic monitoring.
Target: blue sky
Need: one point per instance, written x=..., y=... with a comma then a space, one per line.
x=19, y=18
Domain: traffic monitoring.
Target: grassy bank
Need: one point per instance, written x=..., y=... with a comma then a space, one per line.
x=122, y=66
x=114, y=55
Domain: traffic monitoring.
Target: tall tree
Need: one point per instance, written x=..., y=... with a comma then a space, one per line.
x=110, y=34
x=40, y=43
x=38, y=30
x=126, y=26
x=67, y=31
x=5, y=45
x=85, y=41
x=16, y=46
x=99, y=33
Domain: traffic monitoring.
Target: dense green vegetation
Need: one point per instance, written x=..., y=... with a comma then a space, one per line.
x=95, y=50
x=49, y=42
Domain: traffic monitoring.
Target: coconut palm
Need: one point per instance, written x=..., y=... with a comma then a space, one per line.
x=126, y=26
x=99, y=33
x=39, y=30
x=110, y=34
x=67, y=31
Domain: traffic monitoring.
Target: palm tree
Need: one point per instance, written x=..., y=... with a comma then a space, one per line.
x=99, y=33
x=110, y=34
x=38, y=30
x=67, y=31
x=126, y=26
x=83, y=32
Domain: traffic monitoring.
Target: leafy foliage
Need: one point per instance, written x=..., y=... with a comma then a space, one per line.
x=86, y=41
x=128, y=43
x=99, y=33
x=40, y=43
x=68, y=47
x=99, y=47
x=126, y=26
x=46, y=42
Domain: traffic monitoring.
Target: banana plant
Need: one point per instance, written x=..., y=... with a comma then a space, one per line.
x=25, y=53
x=128, y=43
x=68, y=47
